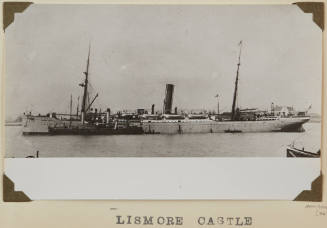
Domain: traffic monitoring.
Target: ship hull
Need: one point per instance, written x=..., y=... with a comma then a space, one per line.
x=41, y=125
x=211, y=126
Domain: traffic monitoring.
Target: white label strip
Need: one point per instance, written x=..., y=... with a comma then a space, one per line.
x=162, y=178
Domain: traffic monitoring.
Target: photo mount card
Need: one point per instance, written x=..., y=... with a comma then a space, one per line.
x=211, y=145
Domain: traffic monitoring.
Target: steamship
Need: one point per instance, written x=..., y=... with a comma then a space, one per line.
x=89, y=121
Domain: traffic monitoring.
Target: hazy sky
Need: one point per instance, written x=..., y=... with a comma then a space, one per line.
x=136, y=50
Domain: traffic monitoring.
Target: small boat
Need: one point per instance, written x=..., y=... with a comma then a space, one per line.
x=233, y=131
x=36, y=156
x=291, y=151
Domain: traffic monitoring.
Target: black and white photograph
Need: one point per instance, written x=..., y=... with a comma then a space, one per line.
x=163, y=81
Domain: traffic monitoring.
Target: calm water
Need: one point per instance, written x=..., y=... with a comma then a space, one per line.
x=188, y=145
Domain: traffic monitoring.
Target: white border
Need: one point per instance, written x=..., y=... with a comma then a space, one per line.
x=162, y=178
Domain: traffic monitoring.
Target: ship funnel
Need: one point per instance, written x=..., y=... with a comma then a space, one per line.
x=168, y=102
x=108, y=115
x=152, y=109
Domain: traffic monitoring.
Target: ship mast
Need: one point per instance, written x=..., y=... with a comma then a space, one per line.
x=77, y=108
x=236, y=82
x=70, y=109
x=85, y=85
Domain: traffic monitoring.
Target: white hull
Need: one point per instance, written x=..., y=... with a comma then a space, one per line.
x=211, y=126
x=40, y=124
